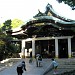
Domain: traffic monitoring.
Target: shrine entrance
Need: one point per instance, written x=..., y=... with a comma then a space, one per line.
x=46, y=48
x=63, y=48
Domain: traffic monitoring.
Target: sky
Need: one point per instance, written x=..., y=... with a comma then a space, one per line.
x=26, y=9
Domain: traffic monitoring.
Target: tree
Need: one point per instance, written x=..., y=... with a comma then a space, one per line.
x=71, y=3
x=7, y=48
x=11, y=24
x=7, y=25
x=2, y=45
x=16, y=23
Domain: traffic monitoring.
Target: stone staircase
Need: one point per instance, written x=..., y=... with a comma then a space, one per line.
x=65, y=66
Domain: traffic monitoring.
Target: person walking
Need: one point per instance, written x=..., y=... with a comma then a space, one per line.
x=37, y=56
x=39, y=61
x=54, y=65
x=30, y=60
x=21, y=67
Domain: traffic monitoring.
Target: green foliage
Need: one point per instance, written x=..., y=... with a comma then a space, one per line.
x=7, y=48
x=71, y=3
x=2, y=44
x=7, y=25
x=16, y=23
x=2, y=38
x=1, y=25
x=11, y=24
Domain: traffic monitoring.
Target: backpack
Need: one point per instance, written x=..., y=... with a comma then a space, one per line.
x=40, y=58
x=19, y=69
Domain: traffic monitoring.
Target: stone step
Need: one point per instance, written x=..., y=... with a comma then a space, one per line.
x=65, y=65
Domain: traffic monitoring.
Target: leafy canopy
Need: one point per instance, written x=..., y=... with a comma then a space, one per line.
x=16, y=23
x=11, y=24
x=71, y=3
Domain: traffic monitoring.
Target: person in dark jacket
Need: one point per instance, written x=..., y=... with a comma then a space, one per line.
x=30, y=60
x=39, y=60
x=21, y=67
x=37, y=56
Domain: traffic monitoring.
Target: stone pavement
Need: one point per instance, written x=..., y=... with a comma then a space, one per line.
x=64, y=65
x=31, y=68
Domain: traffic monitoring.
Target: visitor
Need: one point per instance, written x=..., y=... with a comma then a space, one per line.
x=21, y=67
x=37, y=56
x=39, y=60
x=54, y=65
x=30, y=60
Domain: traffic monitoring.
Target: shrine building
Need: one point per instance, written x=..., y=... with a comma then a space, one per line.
x=48, y=34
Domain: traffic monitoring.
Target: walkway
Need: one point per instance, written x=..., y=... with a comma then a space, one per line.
x=64, y=65
x=31, y=68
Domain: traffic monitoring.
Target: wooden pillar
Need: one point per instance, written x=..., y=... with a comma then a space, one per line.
x=56, y=47
x=23, y=49
x=33, y=47
x=69, y=47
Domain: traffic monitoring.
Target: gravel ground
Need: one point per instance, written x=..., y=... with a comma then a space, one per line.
x=8, y=62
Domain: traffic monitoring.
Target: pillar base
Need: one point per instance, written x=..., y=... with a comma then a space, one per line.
x=33, y=56
x=69, y=56
x=56, y=56
x=23, y=56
